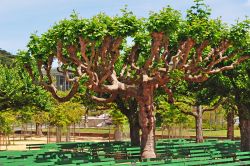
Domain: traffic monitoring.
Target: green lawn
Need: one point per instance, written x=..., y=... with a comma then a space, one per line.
x=211, y=133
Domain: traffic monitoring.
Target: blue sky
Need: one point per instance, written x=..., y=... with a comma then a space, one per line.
x=20, y=18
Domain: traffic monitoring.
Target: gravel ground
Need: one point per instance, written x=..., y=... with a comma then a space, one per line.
x=21, y=144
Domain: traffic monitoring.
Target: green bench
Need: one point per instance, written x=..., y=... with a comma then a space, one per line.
x=33, y=146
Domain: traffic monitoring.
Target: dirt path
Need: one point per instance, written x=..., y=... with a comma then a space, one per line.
x=21, y=144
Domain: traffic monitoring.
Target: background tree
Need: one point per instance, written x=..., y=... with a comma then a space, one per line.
x=118, y=120
x=168, y=116
x=194, y=107
x=129, y=107
x=74, y=112
x=17, y=92
x=84, y=98
x=64, y=115
x=241, y=89
x=237, y=88
x=92, y=49
x=231, y=110
x=40, y=118
x=7, y=119
x=24, y=116
x=234, y=85
x=58, y=119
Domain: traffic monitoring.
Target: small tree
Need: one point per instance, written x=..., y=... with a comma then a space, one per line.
x=118, y=120
x=40, y=118
x=193, y=107
x=167, y=115
x=64, y=115
x=74, y=112
x=24, y=116
x=7, y=119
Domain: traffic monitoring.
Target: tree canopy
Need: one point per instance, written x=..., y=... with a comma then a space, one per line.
x=195, y=45
x=96, y=52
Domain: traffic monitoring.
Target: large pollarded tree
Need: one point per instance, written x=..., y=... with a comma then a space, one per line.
x=95, y=52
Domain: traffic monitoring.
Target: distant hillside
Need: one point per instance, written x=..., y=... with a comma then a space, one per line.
x=6, y=57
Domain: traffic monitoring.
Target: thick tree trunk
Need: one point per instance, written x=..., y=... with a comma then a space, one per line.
x=135, y=133
x=39, y=131
x=244, y=119
x=245, y=134
x=134, y=128
x=147, y=123
x=230, y=125
x=198, y=124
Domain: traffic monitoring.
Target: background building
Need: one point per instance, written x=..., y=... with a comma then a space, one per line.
x=60, y=81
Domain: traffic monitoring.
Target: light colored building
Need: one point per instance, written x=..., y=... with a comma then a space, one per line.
x=98, y=121
x=60, y=81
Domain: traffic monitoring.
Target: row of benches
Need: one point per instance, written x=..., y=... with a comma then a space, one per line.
x=169, y=152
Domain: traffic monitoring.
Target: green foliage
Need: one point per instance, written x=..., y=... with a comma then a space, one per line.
x=200, y=27
x=167, y=21
x=197, y=25
x=20, y=99
x=126, y=25
x=93, y=29
x=199, y=11
x=240, y=35
x=40, y=117
x=218, y=85
x=7, y=119
x=17, y=90
x=168, y=114
x=24, y=115
x=233, y=85
x=84, y=98
x=118, y=119
x=239, y=91
x=66, y=113
x=74, y=111
x=176, y=75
